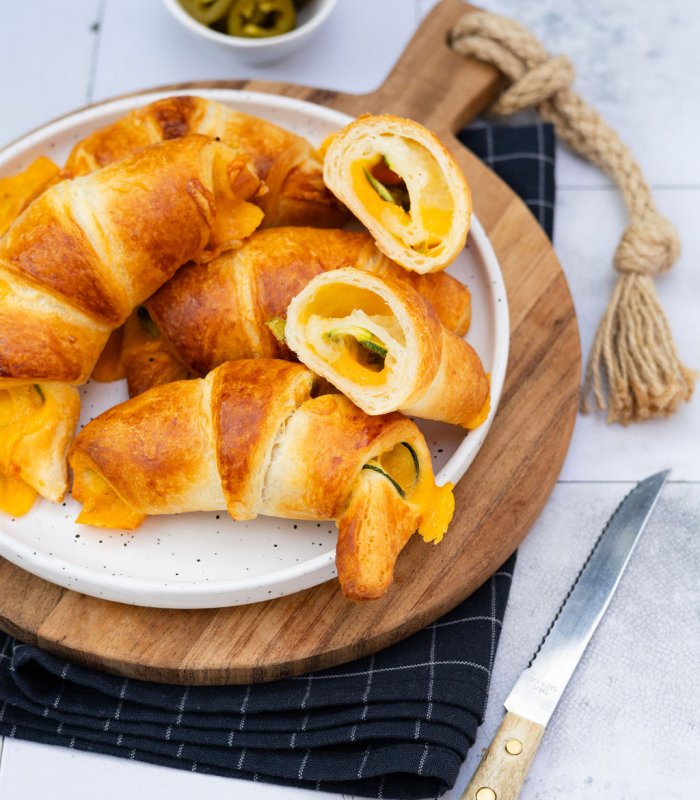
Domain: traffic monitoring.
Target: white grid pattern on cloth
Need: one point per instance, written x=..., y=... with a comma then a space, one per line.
x=365, y=756
x=511, y=144
x=466, y=619
x=539, y=157
x=241, y=723
x=535, y=201
x=492, y=650
x=402, y=668
x=302, y=766
x=540, y=147
x=431, y=682
x=120, y=705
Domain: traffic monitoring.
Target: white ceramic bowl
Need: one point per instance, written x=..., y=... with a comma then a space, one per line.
x=265, y=50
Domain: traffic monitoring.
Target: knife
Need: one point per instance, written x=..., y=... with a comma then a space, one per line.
x=532, y=700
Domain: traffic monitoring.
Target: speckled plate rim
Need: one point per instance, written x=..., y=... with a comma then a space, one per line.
x=313, y=571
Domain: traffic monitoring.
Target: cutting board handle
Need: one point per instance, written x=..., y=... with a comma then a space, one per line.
x=430, y=82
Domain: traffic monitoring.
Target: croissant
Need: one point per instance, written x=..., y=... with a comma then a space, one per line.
x=76, y=262
x=208, y=314
x=404, y=186
x=286, y=162
x=377, y=341
x=252, y=438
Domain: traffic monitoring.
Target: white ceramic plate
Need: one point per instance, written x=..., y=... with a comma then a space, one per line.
x=205, y=560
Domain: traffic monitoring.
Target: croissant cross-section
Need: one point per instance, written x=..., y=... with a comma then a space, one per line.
x=378, y=341
x=404, y=186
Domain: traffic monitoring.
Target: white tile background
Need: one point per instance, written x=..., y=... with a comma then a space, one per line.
x=627, y=727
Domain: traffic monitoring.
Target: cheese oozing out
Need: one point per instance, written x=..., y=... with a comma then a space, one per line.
x=428, y=217
x=102, y=506
x=433, y=504
x=24, y=410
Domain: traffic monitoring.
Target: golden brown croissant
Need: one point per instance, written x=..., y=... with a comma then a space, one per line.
x=286, y=162
x=404, y=186
x=87, y=251
x=208, y=314
x=252, y=438
x=377, y=341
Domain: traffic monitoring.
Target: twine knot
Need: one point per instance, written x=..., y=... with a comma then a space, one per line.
x=535, y=77
x=649, y=246
x=633, y=353
x=536, y=86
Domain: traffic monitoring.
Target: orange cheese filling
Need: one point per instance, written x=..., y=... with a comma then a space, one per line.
x=349, y=359
x=348, y=367
x=102, y=506
x=434, y=504
x=23, y=410
x=335, y=301
x=436, y=222
x=18, y=191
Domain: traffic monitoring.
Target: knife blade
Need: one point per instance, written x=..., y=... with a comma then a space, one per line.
x=535, y=695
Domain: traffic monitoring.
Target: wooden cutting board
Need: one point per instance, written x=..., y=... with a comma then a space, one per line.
x=497, y=501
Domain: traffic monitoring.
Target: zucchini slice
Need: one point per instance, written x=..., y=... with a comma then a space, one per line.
x=363, y=337
x=378, y=469
x=278, y=327
x=379, y=187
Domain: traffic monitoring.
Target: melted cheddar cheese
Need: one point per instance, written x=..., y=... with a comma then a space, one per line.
x=434, y=504
x=18, y=191
x=348, y=367
x=332, y=309
x=102, y=506
x=23, y=410
x=423, y=227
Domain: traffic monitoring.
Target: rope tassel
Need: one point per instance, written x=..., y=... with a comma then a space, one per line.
x=633, y=356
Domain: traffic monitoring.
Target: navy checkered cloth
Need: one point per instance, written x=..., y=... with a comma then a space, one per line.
x=397, y=724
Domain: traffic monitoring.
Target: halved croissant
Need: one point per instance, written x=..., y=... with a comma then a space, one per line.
x=87, y=251
x=286, y=162
x=252, y=438
x=377, y=341
x=404, y=186
x=208, y=314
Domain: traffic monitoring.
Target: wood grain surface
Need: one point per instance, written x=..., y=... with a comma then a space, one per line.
x=496, y=502
x=504, y=766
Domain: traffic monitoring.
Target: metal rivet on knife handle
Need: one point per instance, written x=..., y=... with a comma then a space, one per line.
x=514, y=747
x=485, y=794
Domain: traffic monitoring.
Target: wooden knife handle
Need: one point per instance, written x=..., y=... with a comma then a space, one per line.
x=501, y=772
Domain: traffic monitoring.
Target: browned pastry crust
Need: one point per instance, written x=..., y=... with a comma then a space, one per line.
x=87, y=251
x=286, y=162
x=426, y=370
x=208, y=314
x=252, y=438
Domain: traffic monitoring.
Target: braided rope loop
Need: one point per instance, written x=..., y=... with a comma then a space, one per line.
x=633, y=368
